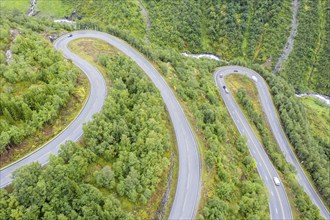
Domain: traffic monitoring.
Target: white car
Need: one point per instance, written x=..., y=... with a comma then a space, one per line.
x=226, y=90
x=276, y=181
x=254, y=79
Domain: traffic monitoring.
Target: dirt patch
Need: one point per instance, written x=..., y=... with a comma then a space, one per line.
x=94, y=48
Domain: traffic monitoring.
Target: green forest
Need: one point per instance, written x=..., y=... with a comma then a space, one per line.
x=35, y=83
x=310, y=150
x=246, y=96
x=117, y=170
x=307, y=67
x=227, y=28
x=248, y=30
x=120, y=161
x=319, y=120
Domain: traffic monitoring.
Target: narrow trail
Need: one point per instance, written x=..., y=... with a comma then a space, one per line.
x=148, y=24
x=289, y=44
x=33, y=5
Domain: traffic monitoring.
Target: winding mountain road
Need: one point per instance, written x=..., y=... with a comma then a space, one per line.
x=278, y=199
x=74, y=131
x=187, y=194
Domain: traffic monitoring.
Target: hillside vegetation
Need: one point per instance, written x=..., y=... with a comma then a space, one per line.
x=318, y=116
x=253, y=29
x=309, y=151
x=247, y=30
x=117, y=168
x=246, y=95
x=124, y=14
x=307, y=67
x=22, y=5
x=35, y=81
x=119, y=148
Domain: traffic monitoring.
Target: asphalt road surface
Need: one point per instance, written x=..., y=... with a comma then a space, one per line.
x=278, y=198
x=187, y=194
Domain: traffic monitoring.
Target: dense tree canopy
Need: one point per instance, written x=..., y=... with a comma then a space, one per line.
x=35, y=83
x=123, y=156
x=307, y=67
x=250, y=29
x=124, y=150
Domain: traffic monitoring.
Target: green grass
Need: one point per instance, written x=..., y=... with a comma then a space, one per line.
x=54, y=8
x=236, y=81
x=21, y=5
x=318, y=115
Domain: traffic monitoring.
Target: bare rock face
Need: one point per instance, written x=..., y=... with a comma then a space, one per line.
x=53, y=37
x=31, y=10
x=14, y=33
x=8, y=56
x=289, y=44
x=72, y=17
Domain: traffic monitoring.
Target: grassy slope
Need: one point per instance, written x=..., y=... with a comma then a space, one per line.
x=124, y=15
x=308, y=64
x=91, y=49
x=249, y=29
x=53, y=8
x=318, y=115
x=21, y=5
